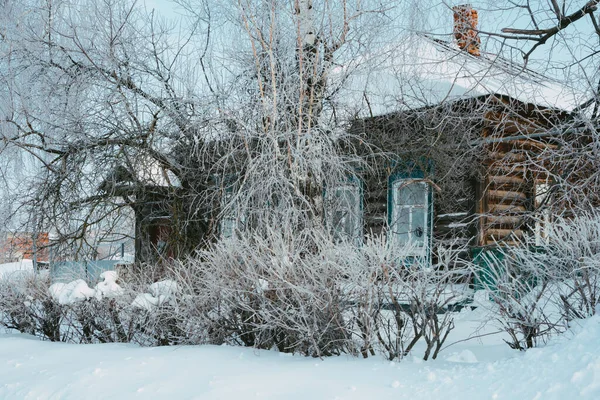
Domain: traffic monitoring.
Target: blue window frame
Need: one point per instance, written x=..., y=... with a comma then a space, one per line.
x=410, y=212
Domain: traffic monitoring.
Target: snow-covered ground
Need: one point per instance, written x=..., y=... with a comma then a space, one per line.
x=566, y=368
x=23, y=266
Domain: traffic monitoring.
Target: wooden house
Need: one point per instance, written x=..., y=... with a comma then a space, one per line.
x=152, y=192
x=484, y=189
x=462, y=163
x=453, y=141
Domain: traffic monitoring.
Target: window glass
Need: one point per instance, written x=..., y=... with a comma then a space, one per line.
x=401, y=226
x=227, y=227
x=411, y=193
x=230, y=220
x=410, y=214
x=542, y=216
x=343, y=212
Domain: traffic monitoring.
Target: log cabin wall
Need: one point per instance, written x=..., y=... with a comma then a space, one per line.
x=436, y=142
x=486, y=166
x=515, y=144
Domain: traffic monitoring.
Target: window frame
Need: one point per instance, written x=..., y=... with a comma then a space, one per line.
x=229, y=213
x=408, y=174
x=543, y=217
x=356, y=185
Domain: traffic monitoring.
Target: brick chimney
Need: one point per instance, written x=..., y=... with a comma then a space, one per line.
x=465, y=25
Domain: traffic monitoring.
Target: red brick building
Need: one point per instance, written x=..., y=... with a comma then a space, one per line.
x=17, y=246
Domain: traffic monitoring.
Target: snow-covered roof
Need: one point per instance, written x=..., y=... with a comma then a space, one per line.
x=150, y=171
x=143, y=169
x=422, y=71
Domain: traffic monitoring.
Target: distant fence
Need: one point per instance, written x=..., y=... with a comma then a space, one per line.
x=89, y=271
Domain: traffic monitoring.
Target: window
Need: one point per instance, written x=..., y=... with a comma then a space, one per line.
x=410, y=215
x=541, y=229
x=230, y=220
x=343, y=209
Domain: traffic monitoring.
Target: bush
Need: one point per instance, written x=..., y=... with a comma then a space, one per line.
x=75, y=313
x=26, y=306
x=304, y=294
x=314, y=297
x=401, y=300
x=268, y=293
x=540, y=289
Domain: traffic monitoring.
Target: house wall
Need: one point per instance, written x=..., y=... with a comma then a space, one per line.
x=485, y=167
x=515, y=162
x=17, y=246
x=435, y=140
x=454, y=225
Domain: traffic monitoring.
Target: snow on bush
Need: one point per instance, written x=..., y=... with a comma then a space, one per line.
x=108, y=286
x=539, y=289
x=78, y=290
x=145, y=301
x=72, y=292
x=162, y=292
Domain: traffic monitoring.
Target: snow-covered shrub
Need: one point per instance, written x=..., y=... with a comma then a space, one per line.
x=431, y=290
x=573, y=259
x=313, y=296
x=539, y=289
x=155, y=308
x=27, y=306
x=100, y=314
x=69, y=312
x=520, y=290
x=268, y=293
x=401, y=300
x=142, y=311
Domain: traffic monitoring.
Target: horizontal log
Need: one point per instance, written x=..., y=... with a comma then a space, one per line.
x=506, y=156
x=496, y=233
x=528, y=144
x=376, y=194
x=506, y=208
x=374, y=205
x=503, y=220
x=506, y=195
x=444, y=231
x=506, y=179
x=514, y=128
x=507, y=169
x=510, y=187
x=375, y=218
x=500, y=116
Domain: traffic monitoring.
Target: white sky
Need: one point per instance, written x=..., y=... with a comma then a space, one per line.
x=435, y=17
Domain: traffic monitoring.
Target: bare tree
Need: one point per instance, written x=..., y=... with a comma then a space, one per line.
x=123, y=121
x=101, y=102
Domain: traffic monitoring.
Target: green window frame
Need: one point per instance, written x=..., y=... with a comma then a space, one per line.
x=410, y=212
